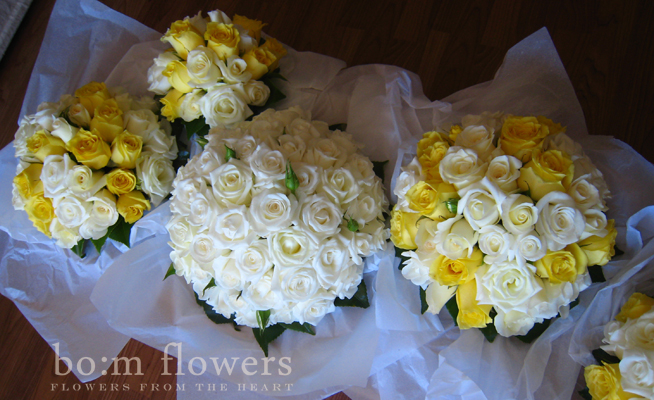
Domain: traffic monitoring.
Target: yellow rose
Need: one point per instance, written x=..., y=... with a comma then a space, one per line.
x=172, y=104
x=471, y=313
x=604, y=382
x=599, y=250
x=40, y=211
x=92, y=95
x=121, y=181
x=404, y=228
x=563, y=265
x=429, y=200
x=108, y=120
x=258, y=61
x=89, y=149
x=223, y=39
x=126, y=149
x=553, y=127
x=430, y=161
x=178, y=77
x=454, y=132
x=273, y=46
x=455, y=272
x=43, y=144
x=253, y=26
x=521, y=135
x=132, y=205
x=184, y=37
x=637, y=305
x=28, y=181
x=427, y=141
x=546, y=172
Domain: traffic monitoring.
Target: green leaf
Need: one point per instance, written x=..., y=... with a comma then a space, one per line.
x=451, y=205
x=100, y=242
x=596, y=274
x=490, y=332
x=453, y=309
x=378, y=167
x=403, y=259
x=585, y=394
x=535, y=332
x=120, y=231
x=360, y=298
x=229, y=154
x=342, y=128
x=291, y=180
x=618, y=252
x=201, y=141
x=212, y=283
x=79, y=249
x=423, y=301
x=602, y=356
x=421, y=218
x=264, y=338
x=171, y=271
x=197, y=126
x=304, y=328
x=274, y=74
x=526, y=192
x=352, y=225
x=574, y=303
x=214, y=316
x=263, y=316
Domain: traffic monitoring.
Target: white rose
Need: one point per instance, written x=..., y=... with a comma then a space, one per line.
x=367, y=206
x=339, y=186
x=257, y=92
x=362, y=168
x=407, y=178
x=123, y=99
x=296, y=283
x=531, y=246
x=519, y=215
x=595, y=224
x=313, y=310
x=225, y=105
x=329, y=262
x=562, y=142
x=378, y=234
x=156, y=173
x=244, y=147
x=513, y=323
x=17, y=200
x=181, y=232
x=160, y=142
x=63, y=130
x=71, y=210
x=319, y=217
x=558, y=220
x=138, y=122
x=266, y=130
x=477, y=138
x=437, y=295
x=103, y=214
x=144, y=103
x=462, y=167
x=344, y=140
x=291, y=114
x=324, y=153
x=416, y=270
x=358, y=243
x=492, y=121
x=507, y=286
x=232, y=229
x=53, y=174
x=272, y=211
x=219, y=16
x=202, y=68
x=639, y=333
x=228, y=276
x=203, y=249
x=210, y=159
x=584, y=166
x=234, y=70
x=184, y=190
x=159, y=83
x=585, y=194
x=293, y=147
x=309, y=177
x=303, y=128
x=267, y=165
x=254, y=260
x=191, y=107
x=84, y=182
x=202, y=208
x=260, y=294
x=480, y=203
x=232, y=183
x=290, y=247
x=504, y=172
x=79, y=115
x=455, y=238
x=65, y=237
x=26, y=129
x=496, y=243
x=637, y=370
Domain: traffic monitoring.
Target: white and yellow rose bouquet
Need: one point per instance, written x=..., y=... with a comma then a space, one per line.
x=502, y=216
x=91, y=164
x=626, y=369
x=218, y=72
x=270, y=223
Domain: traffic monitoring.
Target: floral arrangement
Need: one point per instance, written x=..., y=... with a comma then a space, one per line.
x=272, y=220
x=502, y=215
x=217, y=72
x=91, y=164
x=627, y=359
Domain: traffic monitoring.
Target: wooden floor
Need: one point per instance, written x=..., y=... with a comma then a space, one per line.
x=607, y=48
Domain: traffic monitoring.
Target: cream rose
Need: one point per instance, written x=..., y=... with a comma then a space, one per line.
x=295, y=283
x=313, y=310
x=103, y=214
x=319, y=217
x=496, y=243
x=53, y=175
x=63, y=130
x=71, y=211
x=254, y=260
x=531, y=246
x=329, y=262
x=504, y=171
x=181, y=232
x=339, y=186
x=519, y=215
x=84, y=182
x=234, y=70
x=272, y=211
x=202, y=67
x=480, y=204
x=324, y=153
x=559, y=221
x=637, y=370
x=190, y=108
x=232, y=228
x=268, y=166
x=257, y=92
x=507, y=286
x=260, y=294
x=291, y=247
x=513, y=323
x=225, y=105
x=156, y=173
x=455, y=238
x=159, y=83
x=462, y=167
x=232, y=183
x=292, y=147
x=65, y=237
x=478, y=138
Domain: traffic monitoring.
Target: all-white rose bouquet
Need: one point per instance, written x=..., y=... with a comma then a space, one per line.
x=91, y=164
x=272, y=220
x=218, y=73
x=504, y=219
x=626, y=369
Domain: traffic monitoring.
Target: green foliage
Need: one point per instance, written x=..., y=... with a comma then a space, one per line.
x=79, y=249
x=596, y=274
x=171, y=271
x=423, y=301
x=360, y=298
